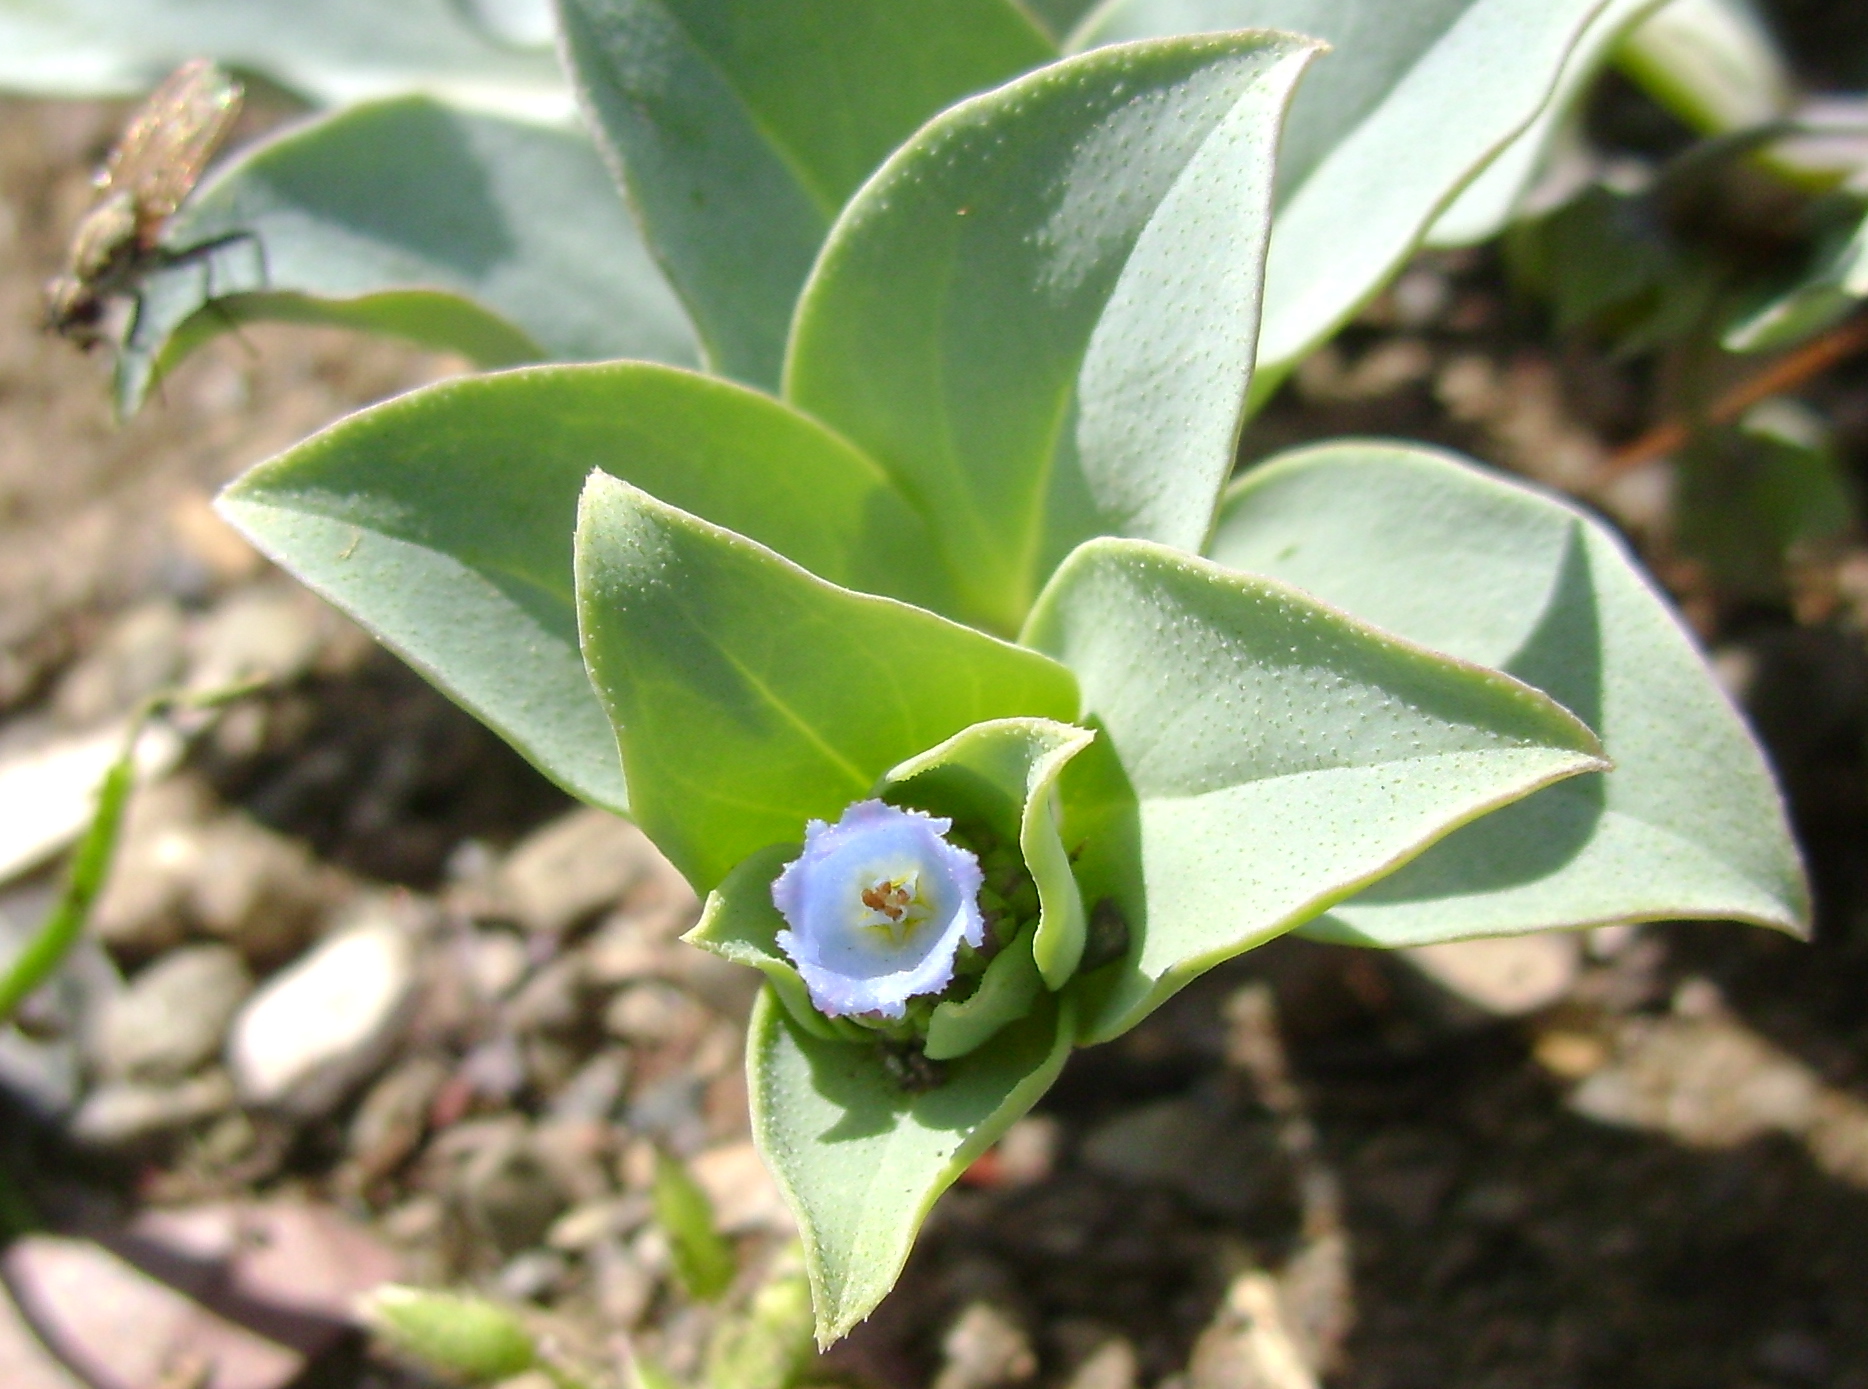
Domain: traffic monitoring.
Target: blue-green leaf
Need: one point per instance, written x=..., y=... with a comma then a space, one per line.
x=1410, y=103
x=742, y=126
x=331, y=51
x=492, y=237
x=442, y=522
x=861, y=1159
x=1005, y=773
x=1261, y=756
x=1688, y=824
x=749, y=695
x=1040, y=315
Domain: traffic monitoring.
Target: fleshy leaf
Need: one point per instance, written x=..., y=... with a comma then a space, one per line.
x=1688, y=824
x=499, y=239
x=1261, y=756
x=1005, y=994
x=334, y=51
x=702, y=1256
x=1832, y=289
x=1713, y=63
x=471, y=1338
x=1750, y=498
x=860, y=1159
x=1005, y=773
x=1040, y=314
x=1059, y=17
x=742, y=126
x=1487, y=205
x=442, y=521
x=1410, y=103
x=750, y=695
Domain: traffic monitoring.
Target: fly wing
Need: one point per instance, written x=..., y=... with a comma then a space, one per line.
x=169, y=141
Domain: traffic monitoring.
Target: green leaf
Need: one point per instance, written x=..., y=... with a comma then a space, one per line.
x=1487, y=205
x=1410, y=103
x=1001, y=774
x=88, y=870
x=333, y=51
x=1040, y=314
x=442, y=521
x=1828, y=292
x=1712, y=63
x=464, y=1336
x=1005, y=773
x=492, y=237
x=702, y=1257
x=1059, y=17
x=770, y=1343
x=85, y=878
x=860, y=1160
x=1262, y=756
x=1750, y=498
x=1004, y=995
x=742, y=126
x=1606, y=260
x=750, y=695
x=1688, y=824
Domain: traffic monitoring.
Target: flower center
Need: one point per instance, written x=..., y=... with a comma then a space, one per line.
x=894, y=906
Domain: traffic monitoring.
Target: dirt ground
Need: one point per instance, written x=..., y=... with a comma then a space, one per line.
x=1654, y=1175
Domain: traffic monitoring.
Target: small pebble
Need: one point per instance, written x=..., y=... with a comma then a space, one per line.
x=138, y=655
x=551, y=1001
x=121, y=1113
x=745, y=1199
x=319, y=1027
x=593, y=1222
x=266, y=630
x=496, y=962
x=532, y=1276
x=1503, y=978
x=653, y=1013
x=984, y=1349
x=573, y=868
x=592, y=1095
x=390, y=1122
x=625, y=1287
x=510, y=1195
x=1112, y=1365
x=173, y=1017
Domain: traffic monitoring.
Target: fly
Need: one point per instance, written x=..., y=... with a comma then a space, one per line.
x=152, y=167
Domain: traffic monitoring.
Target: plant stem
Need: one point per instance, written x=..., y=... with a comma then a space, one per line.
x=90, y=863
x=1811, y=359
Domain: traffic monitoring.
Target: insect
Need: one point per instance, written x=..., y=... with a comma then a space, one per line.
x=152, y=167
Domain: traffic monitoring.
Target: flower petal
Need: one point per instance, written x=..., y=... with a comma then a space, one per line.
x=877, y=905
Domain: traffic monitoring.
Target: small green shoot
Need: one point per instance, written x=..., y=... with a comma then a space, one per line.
x=466, y=1337
x=703, y=1259
x=90, y=862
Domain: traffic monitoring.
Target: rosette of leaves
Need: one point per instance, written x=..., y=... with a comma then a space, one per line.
x=976, y=558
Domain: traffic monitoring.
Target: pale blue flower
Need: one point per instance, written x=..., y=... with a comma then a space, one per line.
x=878, y=904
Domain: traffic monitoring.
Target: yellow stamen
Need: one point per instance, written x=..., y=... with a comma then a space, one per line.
x=894, y=906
